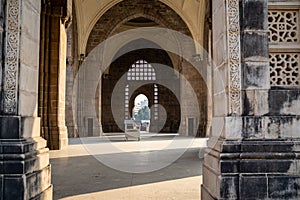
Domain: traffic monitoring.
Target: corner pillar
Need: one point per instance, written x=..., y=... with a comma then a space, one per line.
x=253, y=153
x=25, y=172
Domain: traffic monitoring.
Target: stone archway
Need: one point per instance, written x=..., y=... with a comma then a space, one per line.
x=121, y=66
x=255, y=125
x=108, y=26
x=156, y=11
x=170, y=103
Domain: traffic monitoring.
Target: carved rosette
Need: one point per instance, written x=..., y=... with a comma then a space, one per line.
x=234, y=55
x=11, y=54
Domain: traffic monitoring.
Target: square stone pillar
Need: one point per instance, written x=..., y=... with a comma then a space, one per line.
x=53, y=73
x=24, y=161
x=254, y=151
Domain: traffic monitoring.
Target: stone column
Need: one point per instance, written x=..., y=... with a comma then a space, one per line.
x=89, y=98
x=72, y=69
x=193, y=100
x=24, y=160
x=254, y=151
x=53, y=73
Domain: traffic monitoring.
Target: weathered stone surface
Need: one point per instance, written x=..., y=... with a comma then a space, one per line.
x=247, y=166
x=24, y=173
x=14, y=188
x=10, y=127
x=254, y=13
x=1, y=183
x=253, y=187
x=256, y=102
x=256, y=75
x=283, y=187
x=229, y=166
x=233, y=128
x=254, y=46
x=256, y=127
x=229, y=185
x=284, y=102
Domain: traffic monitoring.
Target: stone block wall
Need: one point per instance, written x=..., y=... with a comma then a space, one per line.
x=257, y=149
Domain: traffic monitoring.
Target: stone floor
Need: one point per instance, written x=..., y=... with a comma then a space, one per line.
x=157, y=167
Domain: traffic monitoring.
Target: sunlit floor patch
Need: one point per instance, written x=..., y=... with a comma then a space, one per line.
x=180, y=189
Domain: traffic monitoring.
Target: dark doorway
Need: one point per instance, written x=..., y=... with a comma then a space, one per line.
x=191, y=126
x=90, y=127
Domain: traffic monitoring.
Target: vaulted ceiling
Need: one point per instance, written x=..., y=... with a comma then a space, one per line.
x=88, y=12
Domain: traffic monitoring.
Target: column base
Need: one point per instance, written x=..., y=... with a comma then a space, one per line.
x=25, y=172
x=252, y=169
x=57, y=137
x=72, y=132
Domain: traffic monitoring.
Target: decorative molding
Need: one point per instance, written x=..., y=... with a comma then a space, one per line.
x=234, y=55
x=2, y=16
x=11, y=69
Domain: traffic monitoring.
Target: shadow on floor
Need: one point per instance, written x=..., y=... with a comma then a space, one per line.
x=85, y=174
x=120, y=137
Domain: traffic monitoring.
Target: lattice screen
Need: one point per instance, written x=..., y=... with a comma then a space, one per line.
x=284, y=40
x=141, y=70
x=284, y=68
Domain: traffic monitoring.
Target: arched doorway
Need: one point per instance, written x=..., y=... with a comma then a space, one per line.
x=106, y=27
x=141, y=112
x=141, y=71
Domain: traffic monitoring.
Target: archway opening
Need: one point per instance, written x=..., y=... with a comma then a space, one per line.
x=139, y=72
x=117, y=19
x=141, y=112
x=139, y=49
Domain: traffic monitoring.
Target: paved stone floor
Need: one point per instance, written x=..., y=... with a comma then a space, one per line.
x=110, y=168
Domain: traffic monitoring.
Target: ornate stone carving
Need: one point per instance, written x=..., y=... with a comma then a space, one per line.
x=284, y=69
x=11, y=70
x=284, y=36
x=283, y=26
x=234, y=55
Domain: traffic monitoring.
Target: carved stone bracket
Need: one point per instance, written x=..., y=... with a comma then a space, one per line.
x=234, y=55
x=11, y=53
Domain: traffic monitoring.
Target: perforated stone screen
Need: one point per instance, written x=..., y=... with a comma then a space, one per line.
x=284, y=26
x=141, y=70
